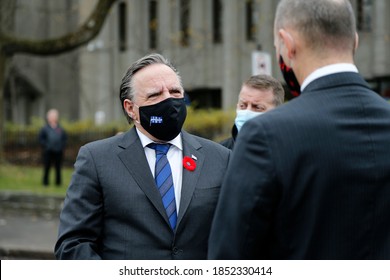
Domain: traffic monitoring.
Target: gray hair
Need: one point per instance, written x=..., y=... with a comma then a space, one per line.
x=265, y=82
x=127, y=90
x=323, y=23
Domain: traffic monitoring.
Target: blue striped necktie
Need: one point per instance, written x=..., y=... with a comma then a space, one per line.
x=164, y=182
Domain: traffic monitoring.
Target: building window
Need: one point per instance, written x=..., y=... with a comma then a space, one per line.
x=364, y=11
x=185, y=22
x=122, y=24
x=153, y=24
x=250, y=27
x=217, y=21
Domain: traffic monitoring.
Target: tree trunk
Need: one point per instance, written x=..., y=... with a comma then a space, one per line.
x=3, y=61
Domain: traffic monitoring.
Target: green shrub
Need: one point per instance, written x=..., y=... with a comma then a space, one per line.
x=209, y=123
x=22, y=147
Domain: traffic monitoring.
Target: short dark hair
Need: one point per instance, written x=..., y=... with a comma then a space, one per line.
x=322, y=23
x=127, y=89
x=267, y=82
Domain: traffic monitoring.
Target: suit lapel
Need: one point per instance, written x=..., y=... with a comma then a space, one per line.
x=133, y=157
x=190, y=178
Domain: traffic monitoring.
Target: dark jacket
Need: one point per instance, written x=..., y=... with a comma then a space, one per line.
x=229, y=142
x=310, y=179
x=52, y=139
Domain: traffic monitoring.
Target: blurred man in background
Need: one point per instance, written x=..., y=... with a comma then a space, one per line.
x=52, y=138
x=258, y=94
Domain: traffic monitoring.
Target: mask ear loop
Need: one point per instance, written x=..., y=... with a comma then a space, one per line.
x=133, y=115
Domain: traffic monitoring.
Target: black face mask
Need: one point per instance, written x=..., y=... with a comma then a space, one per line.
x=290, y=78
x=164, y=120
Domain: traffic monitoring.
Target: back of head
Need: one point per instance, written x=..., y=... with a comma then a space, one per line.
x=323, y=24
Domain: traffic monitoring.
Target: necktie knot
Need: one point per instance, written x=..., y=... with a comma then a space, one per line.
x=160, y=148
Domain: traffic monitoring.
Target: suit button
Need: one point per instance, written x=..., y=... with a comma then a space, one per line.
x=176, y=251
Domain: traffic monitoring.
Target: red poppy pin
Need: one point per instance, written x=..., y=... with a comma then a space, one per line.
x=189, y=163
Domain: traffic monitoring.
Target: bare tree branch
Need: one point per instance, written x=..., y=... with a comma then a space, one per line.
x=11, y=45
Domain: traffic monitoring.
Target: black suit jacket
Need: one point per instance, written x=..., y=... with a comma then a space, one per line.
x=113, y=209
x=310, y=179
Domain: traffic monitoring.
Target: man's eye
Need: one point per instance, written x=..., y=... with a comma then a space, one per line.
x=154, y=95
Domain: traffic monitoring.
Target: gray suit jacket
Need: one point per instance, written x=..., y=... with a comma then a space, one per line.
x=113, y=209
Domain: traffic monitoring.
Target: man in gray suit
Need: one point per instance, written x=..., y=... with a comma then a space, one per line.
x=131, y=199
x=311, y=178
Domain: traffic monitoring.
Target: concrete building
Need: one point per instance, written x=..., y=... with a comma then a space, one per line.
x=37, y=83
x=210, y=41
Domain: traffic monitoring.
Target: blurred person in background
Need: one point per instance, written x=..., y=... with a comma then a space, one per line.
x=258, y=94
x=52, y=138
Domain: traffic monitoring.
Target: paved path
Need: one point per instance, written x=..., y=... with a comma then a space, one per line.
x=27, y=237
x=28, y=225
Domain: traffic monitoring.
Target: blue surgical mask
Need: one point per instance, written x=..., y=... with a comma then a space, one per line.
x=243, y=116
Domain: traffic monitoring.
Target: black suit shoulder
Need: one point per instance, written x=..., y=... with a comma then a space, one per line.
x=228, y=143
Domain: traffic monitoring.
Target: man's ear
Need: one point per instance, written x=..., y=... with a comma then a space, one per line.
x=129, y=107
x=356, y=42
x=288, y=41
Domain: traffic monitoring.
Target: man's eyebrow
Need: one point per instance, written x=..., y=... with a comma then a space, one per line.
x=159, y=91
x=153, y=92
x=175, y=89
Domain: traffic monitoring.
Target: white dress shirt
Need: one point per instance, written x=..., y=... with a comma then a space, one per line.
x=175, y=158
x=327, y=70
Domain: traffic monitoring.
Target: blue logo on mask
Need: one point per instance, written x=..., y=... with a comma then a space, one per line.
x=156, y=120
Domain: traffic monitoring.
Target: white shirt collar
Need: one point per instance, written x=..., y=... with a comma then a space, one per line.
x=146, y=140
x=327, y=70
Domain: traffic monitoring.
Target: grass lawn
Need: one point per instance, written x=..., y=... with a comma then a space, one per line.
x=29, y=179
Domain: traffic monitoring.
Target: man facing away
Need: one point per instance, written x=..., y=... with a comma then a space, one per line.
x=258, y=94
x=149, y=193
x=311, y=179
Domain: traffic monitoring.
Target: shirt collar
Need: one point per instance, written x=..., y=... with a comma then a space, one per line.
x=327, y=70
x=146, y=140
